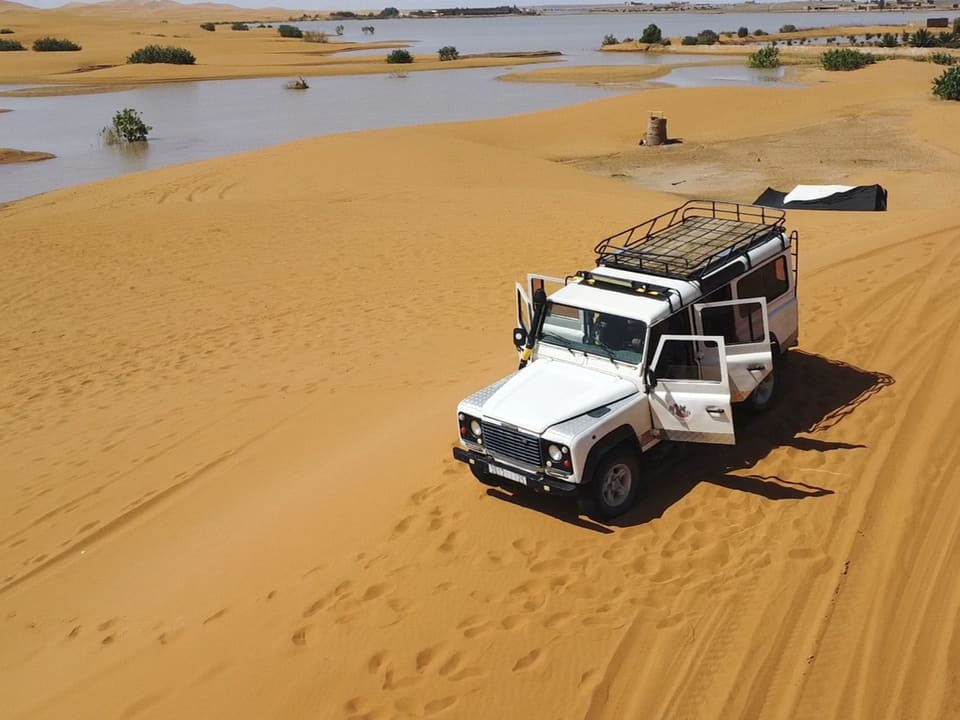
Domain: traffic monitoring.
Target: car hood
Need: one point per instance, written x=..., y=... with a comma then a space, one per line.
x=547, y=392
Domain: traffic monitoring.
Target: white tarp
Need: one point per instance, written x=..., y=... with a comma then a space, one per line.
x=814, y=192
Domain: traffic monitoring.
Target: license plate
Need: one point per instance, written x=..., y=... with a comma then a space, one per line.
x=508, y=474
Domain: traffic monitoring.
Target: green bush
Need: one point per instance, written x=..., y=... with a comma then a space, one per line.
x=239, y=26
x=6, y=45
x=209, y=27
x=765, y=57
x=290, y=31
x=889, y=40
x=315, y=37
x=400, y=57
x=448, y=52
x=947, y=86
x=922, y=38
x=609, y=40
x=742, y=32
x=788, y=28
x=49, y=44
x=942, y=58
x=127, y=126
x=845, y=59
x=707, y=37
x=162, y=54
x=760, y=33
x=652, y=34
x=6, y=31
x=688, y=40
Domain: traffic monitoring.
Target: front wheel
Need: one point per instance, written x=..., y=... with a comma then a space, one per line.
x=615, y=486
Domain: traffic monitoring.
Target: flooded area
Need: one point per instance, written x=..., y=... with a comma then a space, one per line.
x=198, y=120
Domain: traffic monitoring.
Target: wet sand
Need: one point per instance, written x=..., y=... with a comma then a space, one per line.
x=229, y=392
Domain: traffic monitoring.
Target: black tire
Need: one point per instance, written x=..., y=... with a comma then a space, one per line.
x=615, y=485
x=765, y=395
x=483, y=476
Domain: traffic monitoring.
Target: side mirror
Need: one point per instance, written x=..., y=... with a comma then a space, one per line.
x=519, y=337
x=649, y=379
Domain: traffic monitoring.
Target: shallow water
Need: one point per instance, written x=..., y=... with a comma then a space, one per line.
x=194, y=121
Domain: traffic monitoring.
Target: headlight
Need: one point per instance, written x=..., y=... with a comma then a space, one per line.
x=555, y=453
x=475, y=428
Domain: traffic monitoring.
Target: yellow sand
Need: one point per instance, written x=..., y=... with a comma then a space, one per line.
x=11, y=155
x=228, y=394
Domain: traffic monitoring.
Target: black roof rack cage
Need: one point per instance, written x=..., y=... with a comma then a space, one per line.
x=689, y=241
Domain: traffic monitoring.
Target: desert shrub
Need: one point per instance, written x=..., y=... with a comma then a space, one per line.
x=49, y=44
x=315, y=37
x=742, y=32
x=922, y=38
x=947, y=86
x=7, y=45
x=845, y=59
x=889, y=40
x=298, y=84
x=162, y=54
x=400, y=57
x=765, y=57
x=760, y=33
x=448, y=52
x=942, y=58
x=239, y=26
x=688, y=40
x=707, y=37
x=651, y=34
x=209, y=27
x=6, y=31
x=788, y=28
x=290, y=31
x=609, y=40
x=126, y=126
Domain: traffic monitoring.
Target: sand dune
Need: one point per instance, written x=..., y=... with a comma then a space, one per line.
x=228, y=393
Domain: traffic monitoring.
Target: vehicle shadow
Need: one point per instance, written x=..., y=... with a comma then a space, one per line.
x=816, y=394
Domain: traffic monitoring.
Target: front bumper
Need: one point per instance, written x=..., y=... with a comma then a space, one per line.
x=511, y=476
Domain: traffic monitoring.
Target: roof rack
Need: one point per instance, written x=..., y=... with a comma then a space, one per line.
x=693, y=239
x=631, y=287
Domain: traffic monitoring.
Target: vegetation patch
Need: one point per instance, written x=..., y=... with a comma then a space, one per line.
x=846, y=59
x=209, y=27
x=315, y=37
x=50, y=44
x=448, y=52
x=765, y=57
x=400, y=57
x=239, y=26
x=652, y=34
x=942, y=58
x=609, y=40
x=7, y=45
x=290, y=31
x=6, y=31
x=126, y=127
x=162, y=54
x=947, y=86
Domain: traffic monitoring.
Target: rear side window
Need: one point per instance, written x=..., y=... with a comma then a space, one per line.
x=770, y=281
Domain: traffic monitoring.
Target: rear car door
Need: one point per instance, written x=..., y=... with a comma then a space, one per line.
x=745, y=329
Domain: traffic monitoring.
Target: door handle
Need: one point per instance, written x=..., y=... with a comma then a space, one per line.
x=716, y=410
x=757, y=368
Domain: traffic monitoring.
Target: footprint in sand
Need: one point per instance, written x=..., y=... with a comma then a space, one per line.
x=528, y=660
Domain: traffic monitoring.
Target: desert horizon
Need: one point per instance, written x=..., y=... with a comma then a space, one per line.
x=229, y=394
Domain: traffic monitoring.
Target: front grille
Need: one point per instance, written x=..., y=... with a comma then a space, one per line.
x=511, y=443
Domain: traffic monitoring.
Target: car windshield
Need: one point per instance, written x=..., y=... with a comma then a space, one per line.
x=596, y=333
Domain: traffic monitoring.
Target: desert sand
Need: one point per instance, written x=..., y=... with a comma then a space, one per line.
x=228, y=393
x=11, y=155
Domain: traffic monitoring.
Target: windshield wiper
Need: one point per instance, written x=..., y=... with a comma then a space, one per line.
x=560, y=340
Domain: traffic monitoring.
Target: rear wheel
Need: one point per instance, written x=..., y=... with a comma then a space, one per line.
x=764, y=396
x=615, y=485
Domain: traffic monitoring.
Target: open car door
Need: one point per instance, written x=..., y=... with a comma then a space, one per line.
x=690, y=397
x=548, y=284
x=745, y=329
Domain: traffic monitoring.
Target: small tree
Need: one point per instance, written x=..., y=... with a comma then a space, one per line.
x=127, y=126
x=765, y=57
x=651, y=34
x=760, y=33
x=8, y=45
x=49, y=44
x=742, y=32
x=788, y=28
x=209, y=27
x=6, y=31
x=688, y=40
x=922, y=38
x=169, y=54
x=399, y=57
x=947, y=86
x=448, y=52
x=609, y=40
x=889, y=40
x=239, y=26
x=289, y=31
x=707, y=37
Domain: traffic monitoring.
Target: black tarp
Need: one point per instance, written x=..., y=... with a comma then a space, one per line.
x=864, y=197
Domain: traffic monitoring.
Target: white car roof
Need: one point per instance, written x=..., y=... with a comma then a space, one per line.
x=624, y=303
